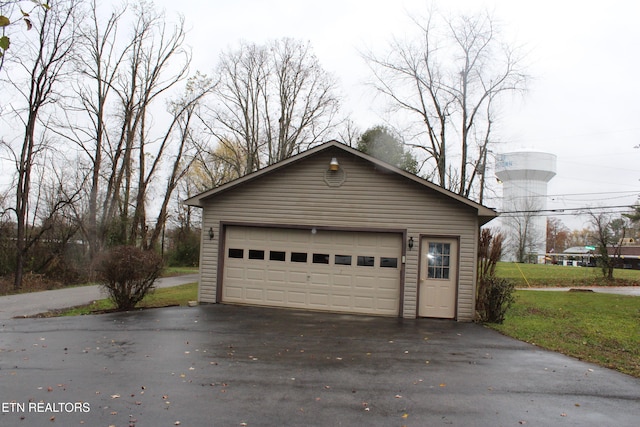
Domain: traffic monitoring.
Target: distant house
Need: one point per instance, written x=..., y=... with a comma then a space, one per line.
x=629, y=256
x=333, y=229
x=575, y=256
x=583, y=256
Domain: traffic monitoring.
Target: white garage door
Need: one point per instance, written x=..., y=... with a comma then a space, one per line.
x=339, y=271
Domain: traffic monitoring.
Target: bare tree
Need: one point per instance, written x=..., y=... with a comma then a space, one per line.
x=604, y=236
x=557, y=235
x=449, y=79
x=99, y=61
x=44, y=59
x=184, y=113
x=150, y=63
x=270, y=100
x=213, y=168
x=12, y=13
x=523, y=228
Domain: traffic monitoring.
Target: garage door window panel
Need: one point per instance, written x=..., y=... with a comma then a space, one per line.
x=256, y=254
x=321, y=258
x=388, y=262
x=236, y=253
x=299, y=257
x=342, y=260
x=366, y=261
x=277, y=255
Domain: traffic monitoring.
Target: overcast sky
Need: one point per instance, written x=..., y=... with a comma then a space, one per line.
x=582, y=103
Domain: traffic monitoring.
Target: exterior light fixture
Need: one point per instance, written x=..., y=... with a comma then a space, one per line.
x=410, y=243
x=211, y=233
x=334, y=165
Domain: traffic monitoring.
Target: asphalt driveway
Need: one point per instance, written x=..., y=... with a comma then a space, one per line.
x=221, y=365
x=21, y=305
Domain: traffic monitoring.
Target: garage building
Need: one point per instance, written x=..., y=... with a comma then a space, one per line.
x=333, y=229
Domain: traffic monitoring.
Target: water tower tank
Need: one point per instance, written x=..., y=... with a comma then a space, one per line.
x=525, y=176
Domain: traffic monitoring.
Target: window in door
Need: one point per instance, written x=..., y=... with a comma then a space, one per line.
x=439, y=257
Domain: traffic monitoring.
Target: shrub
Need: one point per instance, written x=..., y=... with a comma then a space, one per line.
x=494, y=295
x=128, y=274
x=499, y=297
x=184, y=249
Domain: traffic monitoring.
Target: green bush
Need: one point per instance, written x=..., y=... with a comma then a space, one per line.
x=184, y=250
x=499, y=297
x=494, y=294
x=128, y=274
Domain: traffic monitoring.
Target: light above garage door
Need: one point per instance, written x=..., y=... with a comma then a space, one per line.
x=338, y=271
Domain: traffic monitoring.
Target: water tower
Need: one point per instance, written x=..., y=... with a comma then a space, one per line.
x=525, y=176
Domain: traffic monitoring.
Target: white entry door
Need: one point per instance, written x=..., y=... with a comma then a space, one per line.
x=438, y=278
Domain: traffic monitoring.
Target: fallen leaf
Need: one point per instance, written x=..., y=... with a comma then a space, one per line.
x=443, y=385
x=405, y=415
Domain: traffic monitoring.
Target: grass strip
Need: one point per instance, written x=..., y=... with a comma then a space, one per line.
x=163, y=297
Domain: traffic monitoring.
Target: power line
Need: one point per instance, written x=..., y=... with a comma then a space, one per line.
x=561, y=210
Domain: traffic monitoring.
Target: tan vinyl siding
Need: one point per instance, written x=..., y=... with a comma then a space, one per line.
x=370, y=198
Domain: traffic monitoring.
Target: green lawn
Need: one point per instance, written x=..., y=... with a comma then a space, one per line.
x=537, y=275
x=595, y=327
x=179, y=271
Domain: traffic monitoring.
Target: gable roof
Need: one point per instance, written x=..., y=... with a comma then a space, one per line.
x=484, y=213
